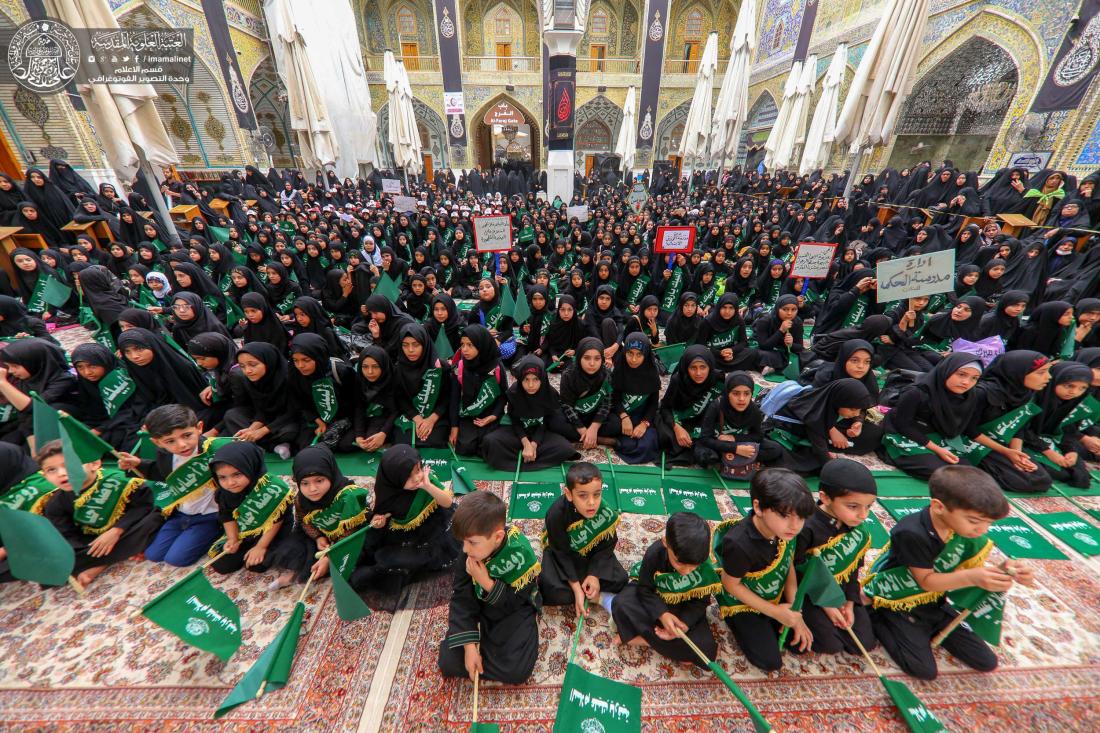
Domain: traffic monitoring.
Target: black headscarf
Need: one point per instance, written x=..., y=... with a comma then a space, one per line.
x=270, y=390
x=575, y=382
x=838, y=369
x=204, y=320
x=525, y=406
x=217, y=346
x=170, y=377
x=999, y=323
x=15, y=465
x=15, y=315
x=751, y=416
x=319, y=323
x=317, y=460
x=91, y=399
x=390, y=495
x=681, y=329
x=941, y=326
x=1054, y=409
x=482, y=367
x=1002, y=385
x=269, y=329
x=44, y=360
x=564, y=335
x=683, y=391
x=645, y=379
x=246, y=457
x=42, y=225
x=1043, y=333
x=817, y=408
x=53, y=203
x=379, y=392
x=827, y=345
x=409, y=373
x=104, y=293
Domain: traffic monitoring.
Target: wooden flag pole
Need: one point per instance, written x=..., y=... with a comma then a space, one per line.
x=302, y=596
x=878, y=672
x=758, y=719
x=477, y=680
x=699, y=652
x=75, y=585
x=946, y=632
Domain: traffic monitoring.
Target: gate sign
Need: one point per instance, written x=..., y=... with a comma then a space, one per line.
x=493, y=233
x=675, y=240
x=503, y=113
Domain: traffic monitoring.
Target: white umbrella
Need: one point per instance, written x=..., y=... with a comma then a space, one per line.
x=695, y=142
x=309, y=116
x=883, y=80
x=819, y=138
x=406, y=146
x=782, y=120
x=125, y=119
x=732, y=108
x=627, y=144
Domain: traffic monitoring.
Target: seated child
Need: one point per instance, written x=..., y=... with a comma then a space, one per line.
x=578, y=560
x=941, y=548
x=491, y=629
x=109, y=519
x=756, y=567
x=252, y=506
x=836, y=534
x=23, y=488
x=181, y=484
x=670, y=592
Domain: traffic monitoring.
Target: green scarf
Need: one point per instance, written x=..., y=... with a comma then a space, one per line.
x=674, y=588
x=588, y=403
x=898, y=590
x=100, y=505
x=843, y=553
x=1002, y=429
x=347, y=510
x=767, y=583
x=857, y=312
x=673, y=289
x=696, y=409
x=191, y=477
x=29, y=495
x=632, y=402
x=584, y=534
x=324, y=399
x=115, y=388
x=487, y=394
x=423, y=505
x=264, y=505
x=636, y=289
x=425, y=399
x=514, y=563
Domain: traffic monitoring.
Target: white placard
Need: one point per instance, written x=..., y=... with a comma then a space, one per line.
x=404, y=203
x=638, y=197
x=909, y=277
x=493, y=233
x=581, y=212
x=453, y=103
x=391, y=185
x=813, y=260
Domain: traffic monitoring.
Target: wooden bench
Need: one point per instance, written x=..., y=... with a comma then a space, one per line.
x=10, y=240
x=98, y=230
x=1013, y=224
x=184, y=213
x=885, y=214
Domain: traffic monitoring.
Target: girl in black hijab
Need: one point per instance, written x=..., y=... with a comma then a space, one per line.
x=645, y=320
x=733, y=424
x=683, y=326
x=635, y=384
x=538, y=425
x=163, y=375
x=692, y=387
x=410, y=520
x=531, y=333
x=17, y=322
x=261, y=323
x=423, y=393
x=565, y=332
x=445, y=317
x=586, y=397
x=477, y=394
x=1004, y=406
x=104, y=294
x=11, y=194
x=1087, y=316
x=605, y=319
x=490, y=314
x=723, y=332
x=265, y=415
x=961, y=322
x=417, y=299
x=779, y=336
x=34, y=365
x=112, y=406
x=189, y=277
x=281, y=290
x=1004, y=320
x=29, y=216
x=824, y=422
x=310, y=317
x=243, y=280
x=1049, y=331
x=375, y=406
x=216, y=355
x=386, y=324
x=854, y=360
x=52, y=202
x=1052, y=438
x=932, y=418
x=322, y=393
x=191, y=317
x=989, y=282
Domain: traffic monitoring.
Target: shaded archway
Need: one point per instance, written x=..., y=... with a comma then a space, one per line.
x=487, y=150
x=269, y=96
x=669, y=132
x=433, y=135
x=597, y=124
x=762, y=116
x=958, y=106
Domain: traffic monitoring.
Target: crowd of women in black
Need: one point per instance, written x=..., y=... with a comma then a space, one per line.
x=315, y=312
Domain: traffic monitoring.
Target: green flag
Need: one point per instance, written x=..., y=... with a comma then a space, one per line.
x=819, y=585
x=693, y=499
x=919, y=718
x=55, y=292
x=759, y=723
x=791, y=371
x=342, y=557
x=1071, y=529
x=443, y=345
x=530, y=501
x=36, y=550
x=522, y=311
x=639, y=499
x=670, y=354
x=144, y=448
x=589, y=702
x=507, y=301
x=221, y=234
x=387, y=287
x=272, y=670
x=986, y=611
x=47, y=426
x=460, y=483
x=199, y=614
x=89, y=446
x=484, y=728
x=233, y=313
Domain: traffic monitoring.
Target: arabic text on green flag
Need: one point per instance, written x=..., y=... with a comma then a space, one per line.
x=918, y=717
x=342, y=557
x=199, y=614
x=589, y=702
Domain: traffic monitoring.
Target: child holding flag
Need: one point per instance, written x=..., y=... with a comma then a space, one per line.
x=109, y=519
x=182, y=487
x=491, y=630
x=757, y=567
x=22, y=487
x=670, y=593
x=939, y=549
x=578, y=559
x=836, y=533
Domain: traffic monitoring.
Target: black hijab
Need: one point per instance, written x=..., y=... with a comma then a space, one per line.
x=942, y=327
x=16, y=317
x=751, y=416
x=269, y=329
x=317, y=460
x=216, y=346
x=564, y=335
x=839, y=368
x=644, y=379
x=1043, y=333
x=270, y=390
x=248, y=458
x=169, y=378
x=817, y=408
x=104, y=293
x=1054, y=409
x=379, y=392
x=44, y=360
x=680, y=329
x=394, y=469
x=204, y=320
x=409, y=373
x=683, y=391
x=575, y=382
x=543, y=403
x=1002, y=385
x=15, y=465
x=997, y=322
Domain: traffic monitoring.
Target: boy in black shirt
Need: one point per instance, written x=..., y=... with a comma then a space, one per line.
x=836, y=534
x=578, y=560
x=941, y=548
x=757, y=567
x=491, y=630
x=671, y=591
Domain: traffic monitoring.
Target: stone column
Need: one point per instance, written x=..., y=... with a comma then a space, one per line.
x=562, y=28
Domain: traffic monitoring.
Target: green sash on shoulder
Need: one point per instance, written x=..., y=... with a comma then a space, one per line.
x=494, y=317
x=588, y=403
x=324, y=399
x=347, y=511
x=767, y=583
x=674, y=588
x=632, y=402
x=723, y=340
x=100, y=335
x=856, y=312
x=514, y=563
x=29, y=495
x=487, y=394
x=422, y=507
x=188, y=479
x=425, y=399
x=636, y=290
x=1001, y=429
x=898, y=590
x=37, y=304
x=115, y=388
x=696, y=409
x=673, y=289
x=264, y=505
x=98, y=508
x=843, y=553
x=584, y=534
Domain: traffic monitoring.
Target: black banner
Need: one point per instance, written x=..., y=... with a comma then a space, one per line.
x=545, y=95
x=214, y=11
x=652, y=60
x=1076, y=64
x=809, y=17
x=563, y=97
x=446, y=27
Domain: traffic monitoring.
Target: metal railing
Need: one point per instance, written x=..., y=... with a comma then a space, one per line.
x=500, y=63
x=412, y=63
x=691, y=66
x=607, y=65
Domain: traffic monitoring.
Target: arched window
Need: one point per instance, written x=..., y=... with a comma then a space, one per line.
x=693, y=24
x=406, y=22
x=600, y=22
x=502, y=24
x=777, y=39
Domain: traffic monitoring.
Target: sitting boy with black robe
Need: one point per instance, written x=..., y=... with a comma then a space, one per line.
x=578, y=560
x=491, y=630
